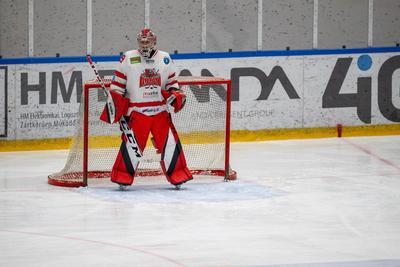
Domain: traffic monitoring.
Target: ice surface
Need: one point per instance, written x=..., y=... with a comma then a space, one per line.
x=210, y=191
x=323, y=202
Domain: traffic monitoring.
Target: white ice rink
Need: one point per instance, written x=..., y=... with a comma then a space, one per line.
x=322, y=202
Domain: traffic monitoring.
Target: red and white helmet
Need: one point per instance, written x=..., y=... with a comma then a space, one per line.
x=147, y=41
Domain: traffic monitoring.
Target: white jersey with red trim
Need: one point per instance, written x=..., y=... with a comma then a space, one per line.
x=142, y=80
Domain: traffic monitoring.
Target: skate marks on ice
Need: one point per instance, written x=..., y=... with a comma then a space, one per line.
x=190, y=192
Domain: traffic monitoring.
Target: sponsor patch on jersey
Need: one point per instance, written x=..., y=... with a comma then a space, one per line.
x=151, y=110
x=135, y=60
x=150, y=94
x=166, y=60
x=149, y=61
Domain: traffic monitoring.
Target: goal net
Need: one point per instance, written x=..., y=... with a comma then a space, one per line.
x=203, y=126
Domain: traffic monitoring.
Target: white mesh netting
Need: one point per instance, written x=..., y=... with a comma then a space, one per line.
x=201, y=125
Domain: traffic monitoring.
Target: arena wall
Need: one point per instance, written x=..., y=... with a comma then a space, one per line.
x=45, y=28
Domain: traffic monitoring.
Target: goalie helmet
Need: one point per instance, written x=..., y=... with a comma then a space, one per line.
x=147, y=41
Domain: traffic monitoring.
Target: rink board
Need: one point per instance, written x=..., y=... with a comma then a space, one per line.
x=274, y=93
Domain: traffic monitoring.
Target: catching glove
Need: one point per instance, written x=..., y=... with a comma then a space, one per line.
x=180, y=100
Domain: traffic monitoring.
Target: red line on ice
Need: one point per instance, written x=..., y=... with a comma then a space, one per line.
x=102, y=243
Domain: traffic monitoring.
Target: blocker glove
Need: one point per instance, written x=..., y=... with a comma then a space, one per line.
x=121, y=105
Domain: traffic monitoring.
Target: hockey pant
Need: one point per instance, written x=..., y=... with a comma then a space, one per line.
x=173, y=163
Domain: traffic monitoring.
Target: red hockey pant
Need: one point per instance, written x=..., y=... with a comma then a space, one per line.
x=166, y=139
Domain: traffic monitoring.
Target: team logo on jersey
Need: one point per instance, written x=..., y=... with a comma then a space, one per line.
x=135, y=60
x=150, y=78
x=166, y=60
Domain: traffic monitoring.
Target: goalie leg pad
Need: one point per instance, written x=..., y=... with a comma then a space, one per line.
x=173, y=162
x=121, y=105
x=124, y=169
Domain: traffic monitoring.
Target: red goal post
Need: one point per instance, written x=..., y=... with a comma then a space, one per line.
x=203, y=126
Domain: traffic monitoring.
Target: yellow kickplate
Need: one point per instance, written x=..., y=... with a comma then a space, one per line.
x=211, y=137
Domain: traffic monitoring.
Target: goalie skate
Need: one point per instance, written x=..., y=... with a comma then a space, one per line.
x=123, y=187
x=178, y=186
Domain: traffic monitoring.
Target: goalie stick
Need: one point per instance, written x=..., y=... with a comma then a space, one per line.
x=132, y=146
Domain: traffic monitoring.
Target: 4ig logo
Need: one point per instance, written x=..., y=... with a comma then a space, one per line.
x=332, y=98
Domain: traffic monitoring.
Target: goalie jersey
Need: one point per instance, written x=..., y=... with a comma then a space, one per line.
x=145, y=81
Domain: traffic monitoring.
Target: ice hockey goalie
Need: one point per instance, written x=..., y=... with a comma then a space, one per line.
x=143, y=88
